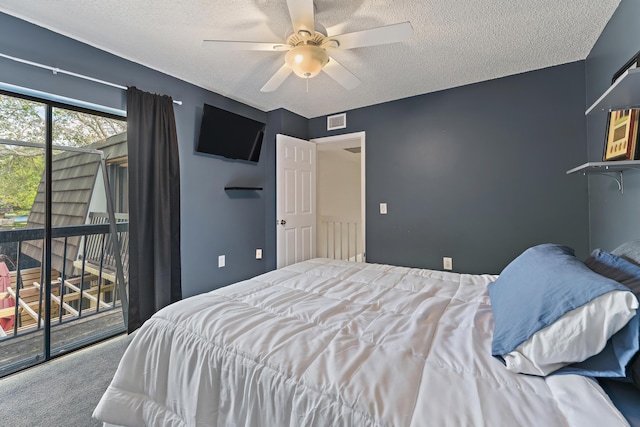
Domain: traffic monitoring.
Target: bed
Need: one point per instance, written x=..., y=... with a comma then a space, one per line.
x=337, y=343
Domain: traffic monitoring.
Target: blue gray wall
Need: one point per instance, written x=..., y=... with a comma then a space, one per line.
x=476, y=173
x=214, y=222
x=614, y=216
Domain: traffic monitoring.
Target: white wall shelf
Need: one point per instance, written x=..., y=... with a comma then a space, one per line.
x=613, y=169
x=622, y=95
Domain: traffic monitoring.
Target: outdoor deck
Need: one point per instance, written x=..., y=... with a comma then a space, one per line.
x=29, y=346
x=87, y=289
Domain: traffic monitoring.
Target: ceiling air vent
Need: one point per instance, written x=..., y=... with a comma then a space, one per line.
x=338, y=121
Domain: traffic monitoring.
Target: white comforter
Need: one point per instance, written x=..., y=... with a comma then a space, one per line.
x=333, y=343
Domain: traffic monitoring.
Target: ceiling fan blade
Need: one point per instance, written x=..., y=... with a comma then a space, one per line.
x=340, y=74
x=301, y=12
x=276, y=80
x=241, y=45
x=380, y=35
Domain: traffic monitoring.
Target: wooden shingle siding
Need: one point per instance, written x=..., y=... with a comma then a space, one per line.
x=74, y=177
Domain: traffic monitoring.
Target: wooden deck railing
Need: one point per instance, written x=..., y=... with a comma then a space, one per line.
x=93, y=287
x=98, y=249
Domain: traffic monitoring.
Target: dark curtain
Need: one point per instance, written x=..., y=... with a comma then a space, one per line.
x=154, y=205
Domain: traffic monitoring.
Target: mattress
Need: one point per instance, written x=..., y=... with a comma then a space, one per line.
x=336, y=343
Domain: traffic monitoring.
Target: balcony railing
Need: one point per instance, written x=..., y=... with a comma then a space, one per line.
x=91, y=287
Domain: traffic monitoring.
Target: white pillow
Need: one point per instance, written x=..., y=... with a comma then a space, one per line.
x=565, y=342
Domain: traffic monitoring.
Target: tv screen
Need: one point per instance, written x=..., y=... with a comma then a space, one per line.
x=229, y=135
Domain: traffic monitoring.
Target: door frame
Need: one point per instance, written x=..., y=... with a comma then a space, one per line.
x=340, y=140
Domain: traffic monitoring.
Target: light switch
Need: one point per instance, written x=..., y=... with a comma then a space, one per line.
x=383, y=208
x=221, y=261
x=258, y=253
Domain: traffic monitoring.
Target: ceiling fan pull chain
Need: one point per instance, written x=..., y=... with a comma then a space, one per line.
x=307, y=84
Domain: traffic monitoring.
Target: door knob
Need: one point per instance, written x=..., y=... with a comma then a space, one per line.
x=282, y=222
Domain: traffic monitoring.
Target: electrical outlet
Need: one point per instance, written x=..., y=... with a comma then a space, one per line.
x=447, y=263
x=221, y=261
x=383, y=208
x=258, y=253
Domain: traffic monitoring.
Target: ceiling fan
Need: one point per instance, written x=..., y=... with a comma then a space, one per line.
x=308, y=46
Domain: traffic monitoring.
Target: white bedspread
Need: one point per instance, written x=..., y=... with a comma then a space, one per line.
x=333, y=343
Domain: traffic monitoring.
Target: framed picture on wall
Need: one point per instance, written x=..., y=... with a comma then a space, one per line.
x=622, y=135
x=621, y=141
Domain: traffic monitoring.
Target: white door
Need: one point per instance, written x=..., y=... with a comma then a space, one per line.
x=295, y=200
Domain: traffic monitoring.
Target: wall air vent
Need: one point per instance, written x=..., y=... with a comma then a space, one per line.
x=337, y=121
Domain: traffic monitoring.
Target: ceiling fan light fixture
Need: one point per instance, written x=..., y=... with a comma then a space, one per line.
x=307, y=60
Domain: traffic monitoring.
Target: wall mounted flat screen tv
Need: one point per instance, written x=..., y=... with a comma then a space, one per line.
x=230, y=135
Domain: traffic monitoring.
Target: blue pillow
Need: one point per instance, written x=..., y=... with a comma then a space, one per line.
x=615, y=268
x=615, y=360
x=542, y=285
x=627, y=273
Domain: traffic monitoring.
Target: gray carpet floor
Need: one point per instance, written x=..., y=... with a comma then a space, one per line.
x=64, y=391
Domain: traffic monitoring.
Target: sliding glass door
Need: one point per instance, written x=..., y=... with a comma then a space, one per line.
x=65, y=233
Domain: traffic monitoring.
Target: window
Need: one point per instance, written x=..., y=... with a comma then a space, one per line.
x=79, y=302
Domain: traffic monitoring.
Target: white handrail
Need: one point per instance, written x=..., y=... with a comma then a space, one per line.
x=342, y=239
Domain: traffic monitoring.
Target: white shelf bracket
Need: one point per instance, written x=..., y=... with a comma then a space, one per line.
x=616, y=176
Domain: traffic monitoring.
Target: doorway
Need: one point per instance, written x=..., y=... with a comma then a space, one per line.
x=333, y=225
x=340, y=197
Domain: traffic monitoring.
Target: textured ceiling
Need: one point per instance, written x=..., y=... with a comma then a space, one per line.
x=454, y=42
